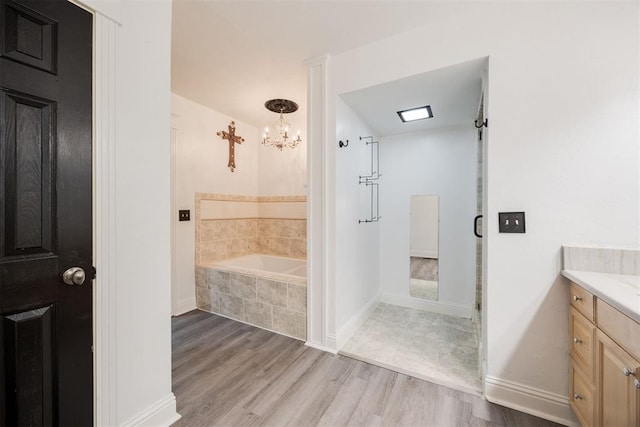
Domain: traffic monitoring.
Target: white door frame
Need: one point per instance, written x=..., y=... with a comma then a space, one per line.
x=104, y=190
x=318, y=249
x=174, y=216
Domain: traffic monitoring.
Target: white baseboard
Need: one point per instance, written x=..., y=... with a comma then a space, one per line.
x=433, y=306
x=162, y=413
x=321, y=347
x=355, y=322
x=184, y=305
x=332, y=344
x=534, y=401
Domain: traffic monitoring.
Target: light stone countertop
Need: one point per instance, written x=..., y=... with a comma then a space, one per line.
x=621, y=291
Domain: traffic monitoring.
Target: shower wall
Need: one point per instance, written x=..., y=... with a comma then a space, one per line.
x=356, y=250
x=441, y=162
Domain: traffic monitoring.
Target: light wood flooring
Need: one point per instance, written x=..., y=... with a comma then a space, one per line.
x=226, y=373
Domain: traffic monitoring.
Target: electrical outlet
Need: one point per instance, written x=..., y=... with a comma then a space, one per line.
x=184, y=215
x=511, y=222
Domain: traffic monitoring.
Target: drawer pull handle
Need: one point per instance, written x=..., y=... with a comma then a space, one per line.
x=636, y=383
x=577, y=396
x=576, y=298
x=627, y=372
x=577, y=340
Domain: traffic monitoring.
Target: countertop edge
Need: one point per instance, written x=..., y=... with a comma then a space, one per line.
x=574, y=276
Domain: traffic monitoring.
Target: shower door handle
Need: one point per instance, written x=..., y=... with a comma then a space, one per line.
x=475, y=226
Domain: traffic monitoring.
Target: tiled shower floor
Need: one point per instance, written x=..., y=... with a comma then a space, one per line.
x=435, y=347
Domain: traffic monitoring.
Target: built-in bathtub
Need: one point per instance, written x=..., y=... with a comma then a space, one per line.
x=263, y=290
x=261, y=265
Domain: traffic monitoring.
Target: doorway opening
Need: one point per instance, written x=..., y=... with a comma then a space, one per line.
x=423, y=316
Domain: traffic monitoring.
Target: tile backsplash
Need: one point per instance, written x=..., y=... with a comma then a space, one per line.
x=231, y=226
x=601, y=259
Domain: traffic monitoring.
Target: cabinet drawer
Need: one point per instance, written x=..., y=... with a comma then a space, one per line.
x=582, y=300
x=581, y=395
x=582, y=335
x=624, y=330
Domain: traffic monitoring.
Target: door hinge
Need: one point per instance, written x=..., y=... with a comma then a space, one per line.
x=93, y=272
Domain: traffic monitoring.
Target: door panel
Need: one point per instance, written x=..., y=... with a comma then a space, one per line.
x=46, y=359
x=28, y=342
x=29, y=37
x=28, y=178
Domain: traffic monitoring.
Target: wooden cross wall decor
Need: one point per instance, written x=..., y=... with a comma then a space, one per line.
x=233, y=140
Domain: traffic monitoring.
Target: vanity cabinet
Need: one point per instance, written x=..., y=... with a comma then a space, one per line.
x=604, y=371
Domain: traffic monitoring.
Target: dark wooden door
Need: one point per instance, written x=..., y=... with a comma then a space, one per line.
x=46, y=361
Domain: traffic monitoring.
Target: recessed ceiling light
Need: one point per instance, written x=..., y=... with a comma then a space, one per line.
x=418, y=113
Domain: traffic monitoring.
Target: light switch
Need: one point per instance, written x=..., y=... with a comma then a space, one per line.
x=511, y=222
x=184, y=215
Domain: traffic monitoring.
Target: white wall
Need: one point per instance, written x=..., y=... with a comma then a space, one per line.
x=261, y=171
x=201, y=166
x=356, y=251
x=442, y=163
x=143, y=329
x=202, y=156
x=283, y=173
x=563, y=119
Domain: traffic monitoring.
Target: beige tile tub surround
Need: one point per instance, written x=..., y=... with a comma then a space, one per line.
x=271, y=304
x=228, y=226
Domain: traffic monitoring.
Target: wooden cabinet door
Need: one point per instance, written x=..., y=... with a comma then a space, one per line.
x=618, y=396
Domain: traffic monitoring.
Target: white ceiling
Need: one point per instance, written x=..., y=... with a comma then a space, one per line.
x=233, y=55
x=452, y=92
